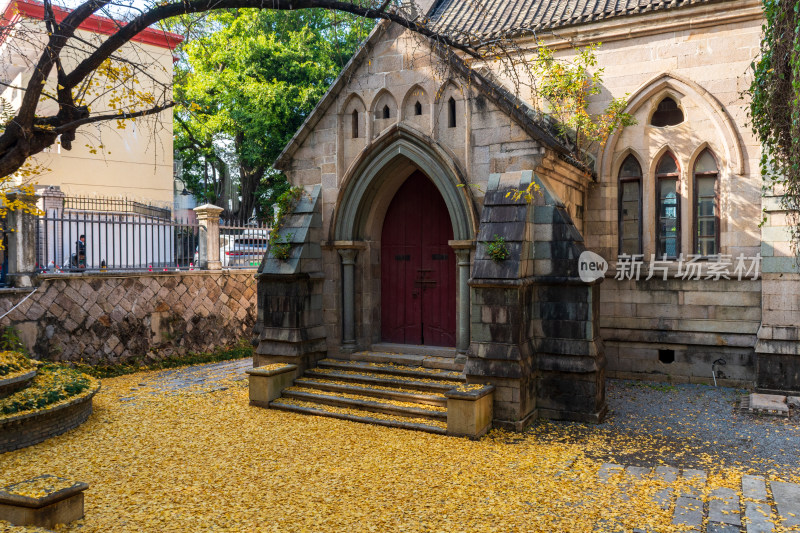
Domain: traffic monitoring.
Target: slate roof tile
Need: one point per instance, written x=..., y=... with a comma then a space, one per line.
x=493, y=18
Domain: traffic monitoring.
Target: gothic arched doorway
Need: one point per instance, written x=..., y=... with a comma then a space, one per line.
x=418, y=268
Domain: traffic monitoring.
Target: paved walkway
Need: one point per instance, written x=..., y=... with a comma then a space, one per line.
x=200, y=378
x=687, y=421
x=683, y=425
x=764, y=506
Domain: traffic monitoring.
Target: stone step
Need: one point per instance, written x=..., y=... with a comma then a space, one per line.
x=430, y=358
x=361, y=403
x=413, y=349
x=393, y=369
x=393, y=393
x=417, y=424
x=381, y=380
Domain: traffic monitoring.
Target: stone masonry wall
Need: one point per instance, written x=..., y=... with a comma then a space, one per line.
x=699, y=321
x=110, y=318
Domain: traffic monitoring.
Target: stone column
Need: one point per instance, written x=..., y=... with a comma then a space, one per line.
x=208, y=219
x=51, y=201
x=348, y=256
x=21, y=246
x=463, y=250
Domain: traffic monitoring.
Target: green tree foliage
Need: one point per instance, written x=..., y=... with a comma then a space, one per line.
x=567, y=87
x=244, y=87
x=775, y=106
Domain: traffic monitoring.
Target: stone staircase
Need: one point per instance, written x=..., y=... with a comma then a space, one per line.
x=704, y=509
x=387, y=389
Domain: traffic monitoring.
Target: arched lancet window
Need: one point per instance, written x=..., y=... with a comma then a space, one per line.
x=451, y=113
x=354, y=124
x=706, y=210
x=667, y=113
x=668, y=212
x=386, y=111
x=417, y=109
x=630, y=207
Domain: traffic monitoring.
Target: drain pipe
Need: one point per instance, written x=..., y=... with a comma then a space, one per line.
x=718, y=362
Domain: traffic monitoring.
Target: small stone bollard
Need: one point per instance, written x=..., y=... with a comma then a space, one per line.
x=469, y=410
x=43, y=501
x=267, y=382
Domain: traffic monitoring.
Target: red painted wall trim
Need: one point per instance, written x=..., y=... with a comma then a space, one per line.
x=95, y=23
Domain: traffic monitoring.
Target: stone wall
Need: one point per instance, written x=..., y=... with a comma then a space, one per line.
x=699, y=58
x=778, y=346
x=110, y=318
x=676, y=329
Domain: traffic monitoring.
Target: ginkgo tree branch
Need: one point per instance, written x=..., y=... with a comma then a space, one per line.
x=170, y=10
x=71, y=126
x=26, y=134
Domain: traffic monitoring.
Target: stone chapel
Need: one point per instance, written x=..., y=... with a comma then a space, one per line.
x=406, y=164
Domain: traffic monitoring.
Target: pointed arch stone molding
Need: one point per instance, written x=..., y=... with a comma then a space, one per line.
x=363, y=183
x=729, y=135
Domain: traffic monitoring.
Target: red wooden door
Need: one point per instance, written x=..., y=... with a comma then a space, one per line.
x=418, y=268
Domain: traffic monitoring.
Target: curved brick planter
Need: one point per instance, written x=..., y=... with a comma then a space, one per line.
x=28, y=429
x=11, y=385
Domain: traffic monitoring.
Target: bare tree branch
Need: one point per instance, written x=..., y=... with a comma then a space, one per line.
x=72, y=126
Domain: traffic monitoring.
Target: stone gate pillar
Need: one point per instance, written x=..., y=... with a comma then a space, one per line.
x=208, y=246
x=21, y=245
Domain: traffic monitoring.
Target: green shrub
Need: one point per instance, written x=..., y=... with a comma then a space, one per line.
x=13, y=362
x=10, y=341
x=281, y=248
x=497, y=249
x=53, y=383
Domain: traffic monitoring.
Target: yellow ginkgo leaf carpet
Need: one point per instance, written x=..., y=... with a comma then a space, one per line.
x=199, y=458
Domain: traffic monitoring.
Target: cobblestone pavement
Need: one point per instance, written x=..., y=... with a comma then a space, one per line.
x=199, y=378
x=760, y=506
x=707, y=418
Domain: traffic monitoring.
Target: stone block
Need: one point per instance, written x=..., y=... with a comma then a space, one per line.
x=787, y=500
x=688, y=513
x=43, y=501
x=771, y=403
x=470, y=410
x=723, y=507
x=266, y=383
x=759, y=517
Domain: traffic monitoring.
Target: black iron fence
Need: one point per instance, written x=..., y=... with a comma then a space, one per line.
x=98, y=240
x=115, y=205
x=242, y=245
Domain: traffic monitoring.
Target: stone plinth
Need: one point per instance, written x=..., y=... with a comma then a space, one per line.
x=469, y=410
x=267, y=382
x=773, y=404
x=42, y=501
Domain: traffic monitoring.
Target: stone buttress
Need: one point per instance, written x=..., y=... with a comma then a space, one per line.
x=289, y=326
x=533, y=321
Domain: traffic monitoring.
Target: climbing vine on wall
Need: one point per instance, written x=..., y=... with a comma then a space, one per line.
x=280, y=247
x=775, y=107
